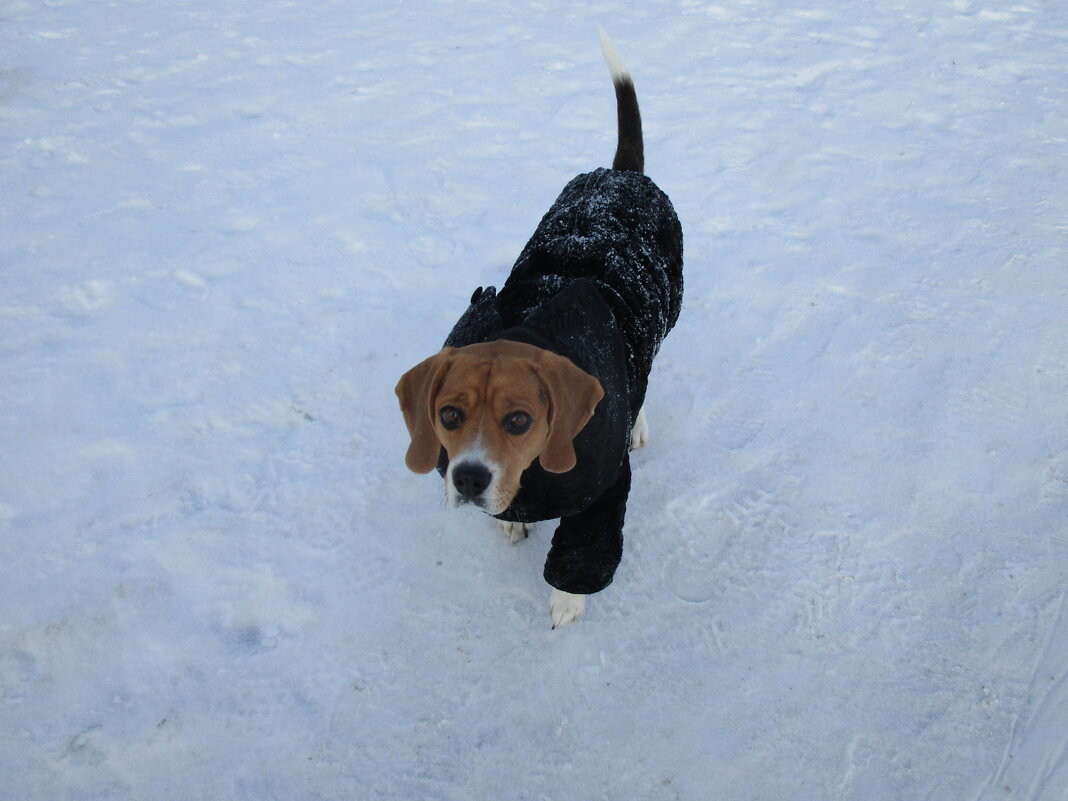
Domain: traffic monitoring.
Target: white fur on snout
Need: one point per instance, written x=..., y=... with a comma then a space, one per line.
x=489, y=500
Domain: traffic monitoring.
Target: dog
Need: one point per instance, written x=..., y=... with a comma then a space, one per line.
x=532, y=406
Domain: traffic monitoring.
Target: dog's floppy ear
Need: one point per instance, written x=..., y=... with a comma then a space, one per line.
x=415, y=391
x=573, y=395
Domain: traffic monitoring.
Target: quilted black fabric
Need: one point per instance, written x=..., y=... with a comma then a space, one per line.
x=599, y=282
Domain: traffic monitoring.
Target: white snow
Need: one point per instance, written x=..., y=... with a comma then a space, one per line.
x=226, y=229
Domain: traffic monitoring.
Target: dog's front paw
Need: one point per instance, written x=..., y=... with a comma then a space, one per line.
x=565, y=607
x=639, y=433
x=515, y=532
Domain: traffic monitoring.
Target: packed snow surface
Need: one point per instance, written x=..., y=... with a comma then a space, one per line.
x=226, y=229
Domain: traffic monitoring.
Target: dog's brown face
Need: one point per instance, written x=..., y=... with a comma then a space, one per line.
x=495, y=407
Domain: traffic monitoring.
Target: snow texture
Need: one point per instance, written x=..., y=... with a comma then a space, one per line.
x=227, y=228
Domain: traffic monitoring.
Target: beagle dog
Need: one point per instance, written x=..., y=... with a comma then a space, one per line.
x=531, y=407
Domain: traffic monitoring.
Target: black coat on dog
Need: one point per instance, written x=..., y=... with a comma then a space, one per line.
x=599, y=282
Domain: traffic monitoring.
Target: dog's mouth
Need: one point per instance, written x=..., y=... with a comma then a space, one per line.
x=490, y=506
x=471, y=482
x=487, y=505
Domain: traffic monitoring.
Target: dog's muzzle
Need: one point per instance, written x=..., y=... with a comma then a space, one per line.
x=470, y=480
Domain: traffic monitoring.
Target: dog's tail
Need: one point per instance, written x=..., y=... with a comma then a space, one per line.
x=630, y=152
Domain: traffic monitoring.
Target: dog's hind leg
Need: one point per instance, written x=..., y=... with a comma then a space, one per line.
x=639, y=432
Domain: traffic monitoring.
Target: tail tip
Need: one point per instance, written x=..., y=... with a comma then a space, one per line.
x=616, y=67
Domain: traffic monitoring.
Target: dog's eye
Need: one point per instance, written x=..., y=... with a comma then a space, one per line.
x=517, y=423
x=451, y=417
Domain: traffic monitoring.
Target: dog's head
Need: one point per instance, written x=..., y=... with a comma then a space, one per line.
x=495, y=408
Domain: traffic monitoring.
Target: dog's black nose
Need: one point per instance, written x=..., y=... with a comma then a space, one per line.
x=471, y=480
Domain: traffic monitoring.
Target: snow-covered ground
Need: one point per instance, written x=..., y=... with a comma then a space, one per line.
x=226, y=228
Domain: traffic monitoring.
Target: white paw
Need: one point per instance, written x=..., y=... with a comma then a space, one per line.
x=564, y=607
x=515, y=532
x=639, y=433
